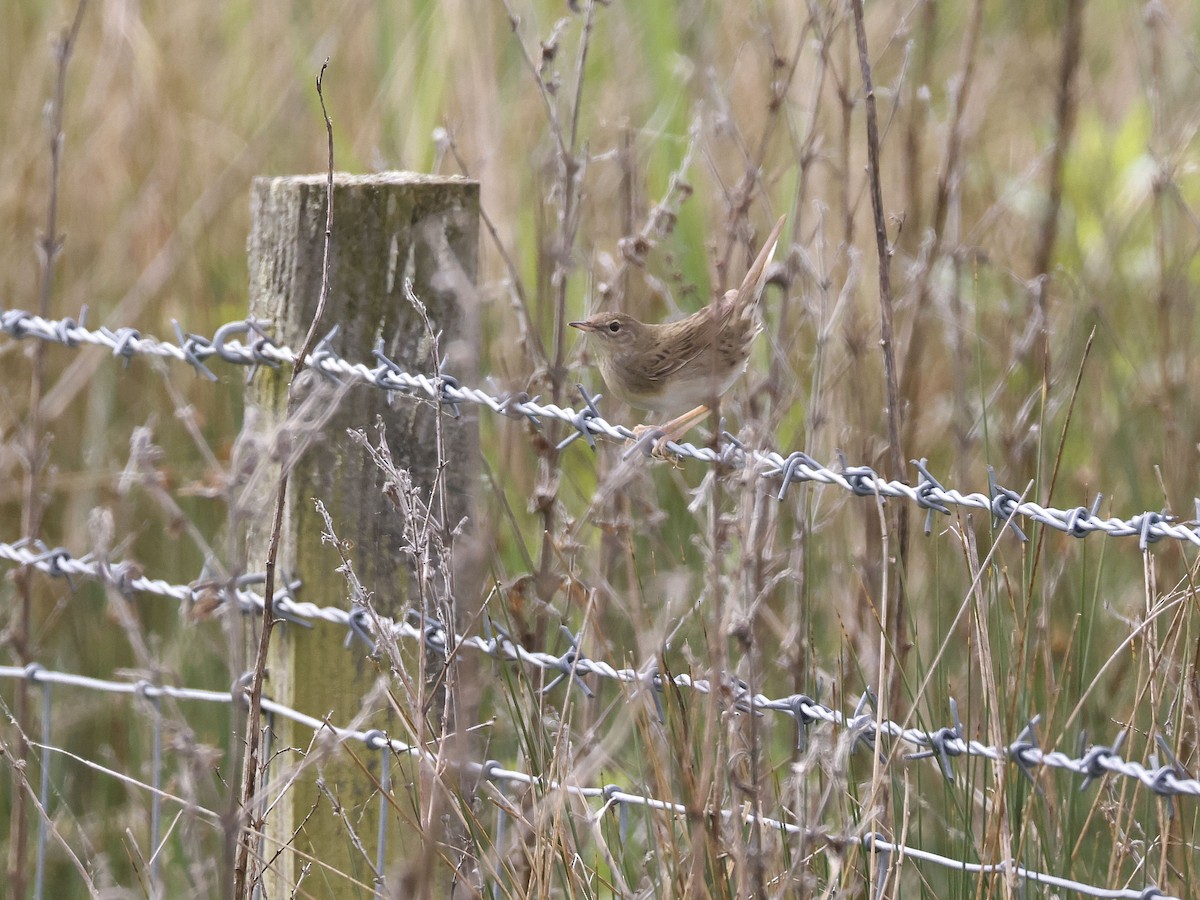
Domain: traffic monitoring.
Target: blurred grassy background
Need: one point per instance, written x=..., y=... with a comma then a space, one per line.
x=171, y=109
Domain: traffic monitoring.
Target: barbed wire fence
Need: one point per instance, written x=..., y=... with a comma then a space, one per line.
x=1004, y=504
x=943, y=744
x=247, y=343
x=611, y=796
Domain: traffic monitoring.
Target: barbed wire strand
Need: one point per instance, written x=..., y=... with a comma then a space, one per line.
x=942, y=744
x=1003, y=504
x=612, y=795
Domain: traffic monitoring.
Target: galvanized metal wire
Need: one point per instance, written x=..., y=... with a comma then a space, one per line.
x=943, y=744
x=247, y=343
x=612, y=795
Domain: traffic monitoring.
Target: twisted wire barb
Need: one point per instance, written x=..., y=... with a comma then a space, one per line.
x=612, y=795
x=259, y=349
x=943, y=744
x=127, y=577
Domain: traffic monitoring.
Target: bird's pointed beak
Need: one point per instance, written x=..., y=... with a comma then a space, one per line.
x=583, y=326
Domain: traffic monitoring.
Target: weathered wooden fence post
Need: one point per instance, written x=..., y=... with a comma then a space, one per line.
x=387, y=228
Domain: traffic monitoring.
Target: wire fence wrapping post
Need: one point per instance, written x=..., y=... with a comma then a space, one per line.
x=228, y=345
x=609, y=796
x=1166, y=780
x=388, y=230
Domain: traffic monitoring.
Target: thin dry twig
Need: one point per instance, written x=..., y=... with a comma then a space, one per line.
x=26, y=788
x=896, y=617
x=17, y=634
x=241, y=882
x=1064, y=119
x=892, y=605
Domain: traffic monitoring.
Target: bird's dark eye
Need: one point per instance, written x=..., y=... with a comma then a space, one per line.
x=614, y=327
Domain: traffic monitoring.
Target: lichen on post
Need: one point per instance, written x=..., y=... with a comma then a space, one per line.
x=389, y=230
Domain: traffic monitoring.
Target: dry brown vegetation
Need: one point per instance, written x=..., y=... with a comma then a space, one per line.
x=1037, y=172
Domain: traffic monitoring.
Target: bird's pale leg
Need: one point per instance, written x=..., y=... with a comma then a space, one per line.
x=681, y=425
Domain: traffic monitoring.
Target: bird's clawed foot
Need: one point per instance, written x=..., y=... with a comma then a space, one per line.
x=661, y=436
x=652, y=440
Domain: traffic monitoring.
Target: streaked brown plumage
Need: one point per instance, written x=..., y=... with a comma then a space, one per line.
x=680, y=365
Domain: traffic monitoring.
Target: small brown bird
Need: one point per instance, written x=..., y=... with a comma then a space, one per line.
x=684, y=365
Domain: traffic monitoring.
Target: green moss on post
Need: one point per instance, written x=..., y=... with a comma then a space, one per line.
x=387, y=228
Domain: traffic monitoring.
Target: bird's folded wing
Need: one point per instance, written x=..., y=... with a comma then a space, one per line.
x=675, y=354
